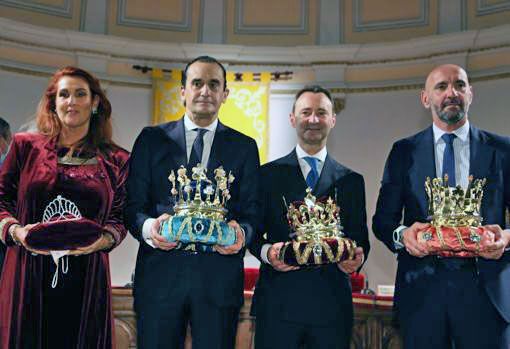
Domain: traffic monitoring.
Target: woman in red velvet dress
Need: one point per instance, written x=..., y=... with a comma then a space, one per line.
x=44, y=304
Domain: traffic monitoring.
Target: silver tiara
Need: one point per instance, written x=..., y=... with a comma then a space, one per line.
x=61, y=209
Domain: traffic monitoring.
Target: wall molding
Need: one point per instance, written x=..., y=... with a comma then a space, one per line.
x=183, y=26
x=484, y=8
x=66, y=10
x=360, y=26
x=241, y=28
x=39, y=38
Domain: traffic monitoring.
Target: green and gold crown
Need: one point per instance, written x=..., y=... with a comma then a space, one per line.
x=198, y=196
x=454, y=206
x=312, y=219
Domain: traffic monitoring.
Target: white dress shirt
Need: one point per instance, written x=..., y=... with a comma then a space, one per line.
x=460, y=150
x=305, y=169
x=190, y=134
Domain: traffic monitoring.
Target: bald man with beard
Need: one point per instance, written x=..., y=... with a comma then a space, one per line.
x=459, y=303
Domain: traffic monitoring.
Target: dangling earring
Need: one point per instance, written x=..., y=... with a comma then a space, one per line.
x=94, y=112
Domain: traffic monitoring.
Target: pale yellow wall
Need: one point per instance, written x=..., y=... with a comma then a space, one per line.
x=475, y=21
x=155, y=10
x=387, y=11
x=49, y=58
x=362, y=73
x=265, y=14
x=44, y=19
x=488, y=60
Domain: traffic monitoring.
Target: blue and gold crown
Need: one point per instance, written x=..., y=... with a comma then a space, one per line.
x=199, y=210
x=199, y=196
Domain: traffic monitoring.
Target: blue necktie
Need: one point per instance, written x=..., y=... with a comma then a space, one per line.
x=198, y=148
x=313, y=176
x=449, y=158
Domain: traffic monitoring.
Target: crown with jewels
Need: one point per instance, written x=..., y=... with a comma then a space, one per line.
x=313, y=219
x=454, y=206
x=199, y=196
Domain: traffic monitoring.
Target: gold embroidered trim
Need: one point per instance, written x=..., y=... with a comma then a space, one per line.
x=3, y=223
x=440, y=237
x=71, y=160
x=302, y=258
x=187, y=224
x=459, y=237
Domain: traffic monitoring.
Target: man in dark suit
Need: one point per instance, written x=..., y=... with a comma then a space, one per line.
x=174, y=286
x=447, y=302
x=306, y=306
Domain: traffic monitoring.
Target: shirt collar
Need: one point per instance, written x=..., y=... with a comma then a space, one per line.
x=462, y=132
x=190, y=125
x=321, y=155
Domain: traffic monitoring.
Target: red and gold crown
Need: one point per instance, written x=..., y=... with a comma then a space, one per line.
x=454, y=206
x=317, y=233
x=455, y=229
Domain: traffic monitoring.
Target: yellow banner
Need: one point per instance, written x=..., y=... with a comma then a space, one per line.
x=245, y=109
x=166, y=92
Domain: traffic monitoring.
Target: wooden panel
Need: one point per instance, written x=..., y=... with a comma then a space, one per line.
x=376, y=10
x=156, y=10
x=487, y=13
x=372, y=324
x=270, y=12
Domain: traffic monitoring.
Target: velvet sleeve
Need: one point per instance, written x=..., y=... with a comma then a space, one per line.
x=114, y=222
x=9, y=179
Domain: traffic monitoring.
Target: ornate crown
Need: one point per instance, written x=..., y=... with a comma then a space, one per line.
x=199, y=196
x=314, y=220
x=61, y=209
x=453, y=206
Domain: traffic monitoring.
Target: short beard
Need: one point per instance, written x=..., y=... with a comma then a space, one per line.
x=450, y=118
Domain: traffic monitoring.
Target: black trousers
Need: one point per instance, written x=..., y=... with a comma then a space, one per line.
x=162, y=321
x=455, y=312
x=272, y=332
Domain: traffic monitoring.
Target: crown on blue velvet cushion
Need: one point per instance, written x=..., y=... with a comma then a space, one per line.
x=198, y=196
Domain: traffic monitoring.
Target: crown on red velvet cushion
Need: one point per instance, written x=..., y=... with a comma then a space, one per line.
x=454, y=206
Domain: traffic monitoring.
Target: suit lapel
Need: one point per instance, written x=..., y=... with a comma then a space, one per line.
x=219, y=150
x=177, y=135
x=480, y=154
x=327, y=177
x=292, y=181
x=423, y=165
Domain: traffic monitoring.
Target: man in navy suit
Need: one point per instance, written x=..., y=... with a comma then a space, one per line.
x=306, y=306
x=447, y=302
x=174, y=286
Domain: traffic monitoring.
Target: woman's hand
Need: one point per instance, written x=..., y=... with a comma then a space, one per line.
x=103, y=243
x=19, y=235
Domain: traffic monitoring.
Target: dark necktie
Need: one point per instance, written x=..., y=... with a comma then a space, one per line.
x=449, y=159
x=313, y=175
x=198, y=148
